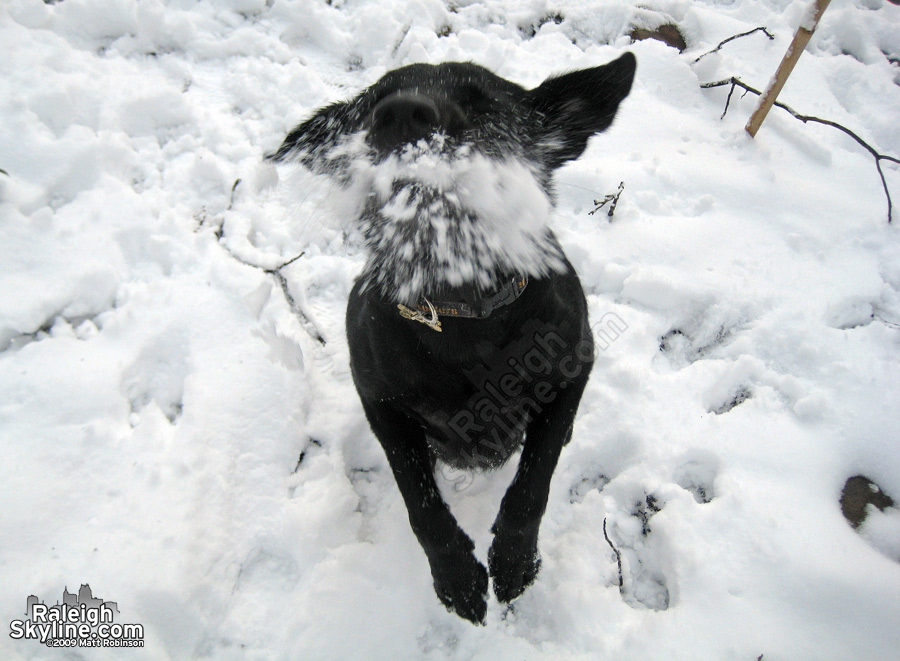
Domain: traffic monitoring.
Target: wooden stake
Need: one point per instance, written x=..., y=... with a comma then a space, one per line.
x=794, y=51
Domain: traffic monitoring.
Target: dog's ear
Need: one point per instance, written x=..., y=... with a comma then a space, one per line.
x=579, y=104
x=308, y=141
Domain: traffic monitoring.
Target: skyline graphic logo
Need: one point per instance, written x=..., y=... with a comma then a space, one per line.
x=80, y=620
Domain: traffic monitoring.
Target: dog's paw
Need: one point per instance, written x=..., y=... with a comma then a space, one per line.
x=462, y=587
x=513, y=566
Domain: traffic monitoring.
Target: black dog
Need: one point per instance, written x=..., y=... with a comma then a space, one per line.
x=468, y=328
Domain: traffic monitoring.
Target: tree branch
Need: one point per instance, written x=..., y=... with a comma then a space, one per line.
x=732, y=38
x=305, y=322
x=614, y=198
x=735, y=82
x=618, y=558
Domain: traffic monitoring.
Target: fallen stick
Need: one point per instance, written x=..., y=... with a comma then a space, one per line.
x=618, y=558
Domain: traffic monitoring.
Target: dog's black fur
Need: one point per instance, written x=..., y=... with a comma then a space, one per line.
x=510, y=377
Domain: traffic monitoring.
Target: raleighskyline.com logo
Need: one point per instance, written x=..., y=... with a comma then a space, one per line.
x=81, y=620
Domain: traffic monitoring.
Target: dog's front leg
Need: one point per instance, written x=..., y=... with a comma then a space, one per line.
x=513, y=558
x=460, y=581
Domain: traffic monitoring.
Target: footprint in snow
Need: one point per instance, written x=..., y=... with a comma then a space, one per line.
x=731, y=400
x=588, y=481
x=639, y=554
x=157, y=375
x=696, y=473
x=699, y=334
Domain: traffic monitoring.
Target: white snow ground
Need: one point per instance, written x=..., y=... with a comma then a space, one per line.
x=155, y=391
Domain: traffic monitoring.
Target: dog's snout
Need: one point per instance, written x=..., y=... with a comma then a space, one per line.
x=403, y=118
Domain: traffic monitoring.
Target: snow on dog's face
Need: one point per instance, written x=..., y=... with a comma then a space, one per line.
x=448, y=169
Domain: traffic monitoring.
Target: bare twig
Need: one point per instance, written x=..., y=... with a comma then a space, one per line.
x=735, y=82
x=237, y=182
x=614, y=198
x=305, y=321
x=292, y=302
x=312, y=441
x=732, y=38
x=618, y=558
x=892, y=324
x=276, y=273
x=401, y=38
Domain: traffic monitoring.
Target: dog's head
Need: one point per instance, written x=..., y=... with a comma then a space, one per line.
x=450, y=168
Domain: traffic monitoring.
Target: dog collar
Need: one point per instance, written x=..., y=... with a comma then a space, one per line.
x=479, y=309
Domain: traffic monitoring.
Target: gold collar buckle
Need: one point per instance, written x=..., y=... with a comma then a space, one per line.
x=432, y=322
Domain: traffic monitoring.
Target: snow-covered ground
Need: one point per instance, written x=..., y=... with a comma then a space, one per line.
x=157, y=389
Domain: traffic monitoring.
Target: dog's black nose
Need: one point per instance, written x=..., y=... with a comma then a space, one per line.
x=403, y=118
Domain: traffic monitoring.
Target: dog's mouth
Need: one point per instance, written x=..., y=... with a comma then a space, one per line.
x=439, y=215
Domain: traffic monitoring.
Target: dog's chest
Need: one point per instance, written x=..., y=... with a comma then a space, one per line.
x=480, y=432
x=470, y=419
